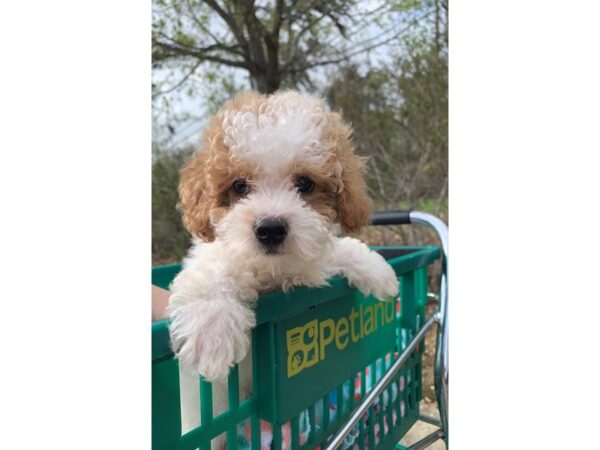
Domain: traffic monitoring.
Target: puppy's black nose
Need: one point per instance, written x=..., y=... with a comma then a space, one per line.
x=271, y=231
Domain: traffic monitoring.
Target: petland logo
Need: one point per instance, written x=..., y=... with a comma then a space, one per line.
x=307, y=344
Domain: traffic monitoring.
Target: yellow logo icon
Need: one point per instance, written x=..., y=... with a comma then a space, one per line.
x=303, y=347
x=307, y=344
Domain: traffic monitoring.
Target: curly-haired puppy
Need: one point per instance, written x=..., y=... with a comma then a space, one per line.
x=266, y=197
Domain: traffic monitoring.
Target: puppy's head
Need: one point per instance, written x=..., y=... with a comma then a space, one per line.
x=273, y=175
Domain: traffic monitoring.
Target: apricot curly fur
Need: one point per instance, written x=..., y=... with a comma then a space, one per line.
x=205, y=181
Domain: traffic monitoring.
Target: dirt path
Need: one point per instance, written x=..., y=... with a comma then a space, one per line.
x=422, y=429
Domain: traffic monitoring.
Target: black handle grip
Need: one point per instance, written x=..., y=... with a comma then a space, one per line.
x=396, y=217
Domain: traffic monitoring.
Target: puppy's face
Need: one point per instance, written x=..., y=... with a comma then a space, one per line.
x=273, y=176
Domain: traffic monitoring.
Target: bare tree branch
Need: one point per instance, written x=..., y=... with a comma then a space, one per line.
x=205, y=29
x=229, y=19
x=179, y=83
x=179, y=50
x=347, y=56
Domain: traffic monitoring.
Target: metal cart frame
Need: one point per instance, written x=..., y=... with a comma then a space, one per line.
x=441, y=354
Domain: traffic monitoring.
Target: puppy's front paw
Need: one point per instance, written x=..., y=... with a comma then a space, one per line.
x=377, y=278
x=210, y=336
x=388, y=284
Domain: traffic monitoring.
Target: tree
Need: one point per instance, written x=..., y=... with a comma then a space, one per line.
x=169, y=238
x=276, y=42
x=399, y=113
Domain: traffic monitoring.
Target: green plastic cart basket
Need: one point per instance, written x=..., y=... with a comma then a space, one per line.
x=330, y=367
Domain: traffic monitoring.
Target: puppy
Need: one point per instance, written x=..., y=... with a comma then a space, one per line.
x=266, y=197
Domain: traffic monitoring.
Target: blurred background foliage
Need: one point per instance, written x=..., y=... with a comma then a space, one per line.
x=382, y=63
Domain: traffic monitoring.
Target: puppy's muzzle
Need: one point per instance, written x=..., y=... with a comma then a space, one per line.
x=271, y=232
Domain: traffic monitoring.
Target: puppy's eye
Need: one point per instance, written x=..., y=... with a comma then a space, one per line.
x=241, y=187
x=304, y=185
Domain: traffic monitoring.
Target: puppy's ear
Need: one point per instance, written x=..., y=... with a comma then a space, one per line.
x=353, y=204
x=202, y=178
x=194, y=197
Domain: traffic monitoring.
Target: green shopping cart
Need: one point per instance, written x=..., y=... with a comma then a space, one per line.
x=336, y=369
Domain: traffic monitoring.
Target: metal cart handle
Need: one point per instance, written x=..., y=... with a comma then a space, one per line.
x=400, y=217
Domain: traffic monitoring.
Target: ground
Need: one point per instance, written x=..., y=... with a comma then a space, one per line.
x=422, y=429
